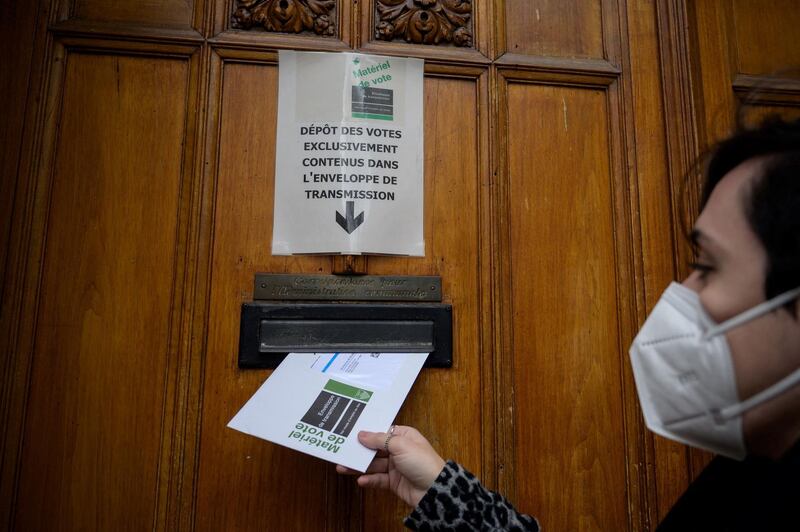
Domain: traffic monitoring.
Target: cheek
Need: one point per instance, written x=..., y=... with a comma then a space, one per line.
x=719, y=303
x=714, y=298
x=764, y=351
x=750, y=353
x=724, y=296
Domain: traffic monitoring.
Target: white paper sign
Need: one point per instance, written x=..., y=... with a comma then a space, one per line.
x=316, y=403
x=349, y=157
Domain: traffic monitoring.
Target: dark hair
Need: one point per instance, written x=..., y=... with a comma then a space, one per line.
x=773, y=206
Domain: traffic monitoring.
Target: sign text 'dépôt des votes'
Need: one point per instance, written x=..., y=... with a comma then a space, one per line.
x=348, y=164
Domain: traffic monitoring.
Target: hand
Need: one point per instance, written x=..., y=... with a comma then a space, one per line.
x=407, y=470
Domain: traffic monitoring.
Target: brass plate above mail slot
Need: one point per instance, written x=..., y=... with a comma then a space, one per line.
x=276, y=286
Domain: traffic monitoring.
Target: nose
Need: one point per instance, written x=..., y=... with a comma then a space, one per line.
x=693, y=282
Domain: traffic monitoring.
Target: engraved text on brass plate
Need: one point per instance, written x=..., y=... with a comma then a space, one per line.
x=276, y=286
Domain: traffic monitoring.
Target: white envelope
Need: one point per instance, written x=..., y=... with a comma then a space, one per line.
x=316, y=403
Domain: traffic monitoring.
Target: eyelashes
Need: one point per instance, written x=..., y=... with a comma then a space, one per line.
x=703, y=268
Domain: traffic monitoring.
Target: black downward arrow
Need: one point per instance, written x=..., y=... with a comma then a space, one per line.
x=350, y=223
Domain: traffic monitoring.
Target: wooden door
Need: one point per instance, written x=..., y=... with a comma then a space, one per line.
x=138, y=158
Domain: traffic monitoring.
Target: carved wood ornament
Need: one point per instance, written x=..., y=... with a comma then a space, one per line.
x=424, y=21
x=287, y=16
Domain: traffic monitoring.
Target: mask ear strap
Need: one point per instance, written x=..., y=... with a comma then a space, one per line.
x=753, y=313
x=763, y=396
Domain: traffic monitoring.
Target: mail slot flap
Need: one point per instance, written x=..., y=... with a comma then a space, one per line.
x=270, y=330
x=354, y=336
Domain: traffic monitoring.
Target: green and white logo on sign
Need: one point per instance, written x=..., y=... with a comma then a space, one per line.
x=368, y=100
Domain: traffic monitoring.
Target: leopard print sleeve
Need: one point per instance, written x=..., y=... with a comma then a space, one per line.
x=458, y=501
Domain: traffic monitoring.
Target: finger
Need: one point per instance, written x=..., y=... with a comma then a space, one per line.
x=377, y=480
x=379, y=465
x=342, y=470
x=372, y=440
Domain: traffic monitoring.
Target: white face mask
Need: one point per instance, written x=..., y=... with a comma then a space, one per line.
x=684, y=373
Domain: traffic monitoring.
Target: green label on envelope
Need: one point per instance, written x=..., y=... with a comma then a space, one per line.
x=348, y=391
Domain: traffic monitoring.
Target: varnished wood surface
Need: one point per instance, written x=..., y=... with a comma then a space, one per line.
x=453, y=237
x=555, y=28
x=765, y=35
x=663, y=194
x=568, y=428
x=747, y=52
x=20, y=84
x=555, y=150
x=95, y=409
x=245, y=483
x=754, y=114
x=17, y=31
x=150, y=12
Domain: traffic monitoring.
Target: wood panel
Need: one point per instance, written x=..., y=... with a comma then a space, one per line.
x=559, y=28
x=664, y=148
x=765, y=36
x=745, y=56
x=20, y=155
x=753, y=114
x=453, y=236
x=17, y=31
x=144, y=12
x=93, y=429
x=568, y=411
x=554, y=231
x=716, y=106
x=245, y=483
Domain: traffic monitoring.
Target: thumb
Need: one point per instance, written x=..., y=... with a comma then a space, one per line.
x=372, y=440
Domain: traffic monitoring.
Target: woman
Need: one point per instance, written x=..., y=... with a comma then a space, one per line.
x=716, y=364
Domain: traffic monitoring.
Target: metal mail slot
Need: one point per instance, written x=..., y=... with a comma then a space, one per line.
x=270, y=330
x=315, y=336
